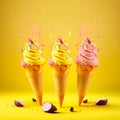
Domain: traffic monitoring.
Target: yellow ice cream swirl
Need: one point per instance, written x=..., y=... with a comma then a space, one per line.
x=61, y=53
x=32, y=53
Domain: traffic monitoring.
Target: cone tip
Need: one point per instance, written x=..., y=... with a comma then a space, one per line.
x=80, y=100
x=61, y=100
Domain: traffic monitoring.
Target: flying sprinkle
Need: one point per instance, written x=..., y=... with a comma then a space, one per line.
x=98, y=35
x=21, y=35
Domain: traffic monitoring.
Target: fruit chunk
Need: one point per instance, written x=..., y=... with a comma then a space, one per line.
x=34, y=100
x=48, y=107
x=101, y=101
x=72, y=109
x=85, y=101
x=18, y=103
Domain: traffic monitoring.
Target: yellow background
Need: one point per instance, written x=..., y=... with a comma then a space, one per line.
x=96, y=19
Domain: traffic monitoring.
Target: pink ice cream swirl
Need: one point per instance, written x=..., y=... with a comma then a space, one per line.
x=87, y=54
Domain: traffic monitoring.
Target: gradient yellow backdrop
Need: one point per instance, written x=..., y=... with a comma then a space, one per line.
x=97, y=19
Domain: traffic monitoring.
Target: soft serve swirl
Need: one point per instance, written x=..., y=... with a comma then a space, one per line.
x=87, y=54
x=60, y=54
x=32, y=53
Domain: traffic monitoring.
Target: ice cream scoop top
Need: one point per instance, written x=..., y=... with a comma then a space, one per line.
x=87, y=54
x=60, y=53
x=32, y=54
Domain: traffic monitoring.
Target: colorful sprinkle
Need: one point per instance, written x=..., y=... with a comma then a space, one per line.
x=30, y=46
x=88, y=40
x=60, y=40
x=59, y=46
x=30, y=41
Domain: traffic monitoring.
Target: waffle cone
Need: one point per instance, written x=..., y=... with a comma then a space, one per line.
x=34, y=75
x=60, y=74
x=84, y=74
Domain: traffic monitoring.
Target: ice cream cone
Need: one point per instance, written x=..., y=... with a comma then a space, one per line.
x=34, y=75
x=60, y=62
x=32, y=63
x=60, y=74
x=83, y=79
x=86, y=61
